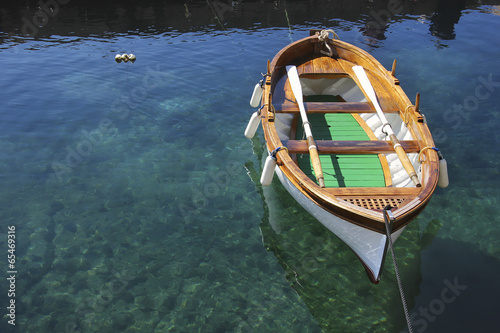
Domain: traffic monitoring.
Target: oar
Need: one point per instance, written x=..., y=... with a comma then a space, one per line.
x=293, y=77
x=368, y=88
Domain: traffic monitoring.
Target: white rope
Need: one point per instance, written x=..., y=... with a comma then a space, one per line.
x=323, y=38
x=324, y=34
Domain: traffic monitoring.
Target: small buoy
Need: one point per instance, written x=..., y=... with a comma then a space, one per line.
x=125, y=58
x=268, y=171
x=443, y=180
x=257, y=94
x=253, y=124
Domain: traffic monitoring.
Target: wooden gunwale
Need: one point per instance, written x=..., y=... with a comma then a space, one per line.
x=295, y=54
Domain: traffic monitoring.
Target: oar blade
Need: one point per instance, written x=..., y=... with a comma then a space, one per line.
x=293, y=78
x=368, y=88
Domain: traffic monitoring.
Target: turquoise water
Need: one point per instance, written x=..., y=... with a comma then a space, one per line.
x=134, y=193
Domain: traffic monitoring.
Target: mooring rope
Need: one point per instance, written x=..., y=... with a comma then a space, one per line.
x=216, y=16
x=288, y=22
x=388, y=219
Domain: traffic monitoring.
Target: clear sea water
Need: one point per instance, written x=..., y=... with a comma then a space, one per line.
x=134, y=193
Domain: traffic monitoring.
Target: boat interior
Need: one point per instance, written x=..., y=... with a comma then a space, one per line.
x=355, y=153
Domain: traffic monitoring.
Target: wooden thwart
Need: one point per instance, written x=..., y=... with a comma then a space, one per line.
x=331, y=107
x=350, y=147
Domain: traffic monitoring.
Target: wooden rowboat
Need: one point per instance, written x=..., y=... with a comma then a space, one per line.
x=346, y=142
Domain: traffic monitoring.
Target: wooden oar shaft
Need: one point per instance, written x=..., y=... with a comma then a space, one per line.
x=313, y=151
x=368, y=88
x=318, y=170
x=294, y=80
x=404, y=159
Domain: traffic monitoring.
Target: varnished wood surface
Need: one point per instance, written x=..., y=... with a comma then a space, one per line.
x=374, y=191
x=331, y=107
x=284, y=100
x=350, y=147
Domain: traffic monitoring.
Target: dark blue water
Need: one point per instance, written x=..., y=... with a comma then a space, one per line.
x=134, y=193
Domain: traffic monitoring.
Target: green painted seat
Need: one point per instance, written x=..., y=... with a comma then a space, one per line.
x=341, y=170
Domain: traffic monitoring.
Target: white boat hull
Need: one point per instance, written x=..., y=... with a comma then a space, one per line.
x=369, y=246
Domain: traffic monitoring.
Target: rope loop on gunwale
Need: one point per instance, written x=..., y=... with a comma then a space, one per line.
x=275, y=152
x=440, y=155
x=323, y=38
x=324, y=34
x=406, y=115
